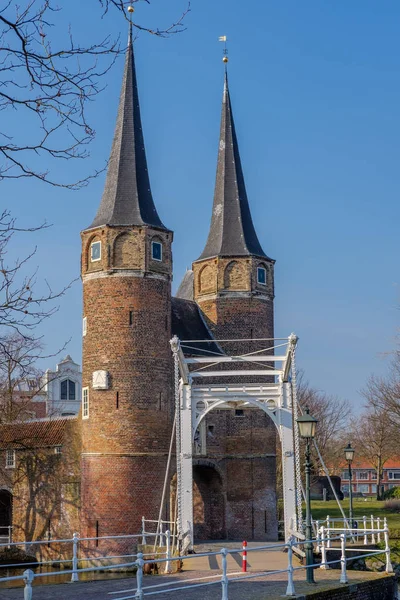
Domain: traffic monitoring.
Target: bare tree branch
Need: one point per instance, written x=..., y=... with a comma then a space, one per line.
x=48, y=82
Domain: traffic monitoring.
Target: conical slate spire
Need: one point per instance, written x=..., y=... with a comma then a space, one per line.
x=127, y=198
x=232, y=231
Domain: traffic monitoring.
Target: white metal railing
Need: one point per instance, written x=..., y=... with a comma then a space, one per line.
x=77, y=547
x=6, y=532
x=224, y=578
x=159, y=534
x=370, y=526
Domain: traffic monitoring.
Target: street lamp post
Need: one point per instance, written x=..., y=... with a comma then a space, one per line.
x=349, y=454
x=307, y=425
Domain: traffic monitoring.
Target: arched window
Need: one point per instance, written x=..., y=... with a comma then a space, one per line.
x=95, y=250
x=68, y=390
x=261, y=275
x=156, y=250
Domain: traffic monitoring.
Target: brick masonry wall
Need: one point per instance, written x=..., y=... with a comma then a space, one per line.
x=384, y=588
x=241, y=448
x=126, y=437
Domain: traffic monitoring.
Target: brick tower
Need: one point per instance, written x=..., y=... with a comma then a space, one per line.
x=126, y=273
x=234, y=287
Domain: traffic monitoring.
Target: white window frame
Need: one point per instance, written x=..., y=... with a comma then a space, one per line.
x=362, y=475
x=85, y=403
x=10, y=459
x=58, y=450
x=152, y=253
x=91, y=251
x=84, y=326
x=258, y=278
x=395, y=475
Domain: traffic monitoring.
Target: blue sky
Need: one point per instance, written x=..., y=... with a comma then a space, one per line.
x=315, y=90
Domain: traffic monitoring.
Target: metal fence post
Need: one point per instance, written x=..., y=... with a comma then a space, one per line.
x=318, y=546
x=29, y=576
x=323, y=564
x=144, y=542
x=365, y=531
x=224, y=578
x=290, y=584
x=373, y=530
x=139, y=576
x=9, y=534
x=168, y=552
x=343, y=574
x=328, y=534
x=389, y=567
x=75, y=541
x=378, y=522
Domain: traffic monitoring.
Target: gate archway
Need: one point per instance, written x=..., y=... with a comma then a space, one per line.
x=208, y=503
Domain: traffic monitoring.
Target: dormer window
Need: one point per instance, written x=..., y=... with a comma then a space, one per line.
x=261, y=275
x=156, y=251
x=95, y=251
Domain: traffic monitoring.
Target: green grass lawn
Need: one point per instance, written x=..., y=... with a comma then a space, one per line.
x=361, y=508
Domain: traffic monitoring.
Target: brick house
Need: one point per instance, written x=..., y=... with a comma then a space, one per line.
x=364, y=478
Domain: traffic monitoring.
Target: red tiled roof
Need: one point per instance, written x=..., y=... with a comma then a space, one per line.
x=363, y=463
x=34, y=434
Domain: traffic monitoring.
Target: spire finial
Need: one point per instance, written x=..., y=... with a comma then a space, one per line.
x=130, y=10
x=225, y=58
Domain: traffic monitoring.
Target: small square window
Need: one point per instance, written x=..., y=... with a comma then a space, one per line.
x=261, y=276
x=57, y=450
x=85, y=403
x=95, y=251
x=10, y=459
x=239, y=412
x=156, y=251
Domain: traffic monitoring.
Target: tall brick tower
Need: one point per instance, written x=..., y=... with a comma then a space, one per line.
x=233, y=278
x=234, y=287
x=126, y=274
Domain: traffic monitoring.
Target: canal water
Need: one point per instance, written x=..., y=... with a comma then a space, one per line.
x=55, y=576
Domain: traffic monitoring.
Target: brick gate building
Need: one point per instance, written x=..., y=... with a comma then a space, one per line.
x=129, y=317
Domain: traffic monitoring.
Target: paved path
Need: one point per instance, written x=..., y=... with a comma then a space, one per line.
x=208, y=569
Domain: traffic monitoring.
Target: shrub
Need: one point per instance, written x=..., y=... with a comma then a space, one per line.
x=394, y=492
x=392, y=505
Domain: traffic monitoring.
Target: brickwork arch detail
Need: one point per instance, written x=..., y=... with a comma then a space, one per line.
x=126, y=253
x=206, y=279
x=234, y=276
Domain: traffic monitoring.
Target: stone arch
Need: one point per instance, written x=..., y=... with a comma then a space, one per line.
x=206, y=279
x=209, y=503
x=234, y=276
x=126, y=251
x=5, y=510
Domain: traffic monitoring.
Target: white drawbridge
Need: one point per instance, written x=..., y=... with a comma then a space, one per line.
x=196, y=365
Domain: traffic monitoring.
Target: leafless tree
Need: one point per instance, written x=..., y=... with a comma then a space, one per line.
x=47, y=80
x=24, y=302
x=375, y=438
x=383, y=393
x=333, y=420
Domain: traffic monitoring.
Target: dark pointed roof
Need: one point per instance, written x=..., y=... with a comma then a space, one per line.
x=232, y=231
x=127, y=198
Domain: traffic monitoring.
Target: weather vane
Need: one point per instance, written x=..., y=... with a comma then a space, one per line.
x=225, y=58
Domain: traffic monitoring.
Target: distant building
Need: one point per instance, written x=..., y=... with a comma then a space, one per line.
x=62, y=389
x=364, y=477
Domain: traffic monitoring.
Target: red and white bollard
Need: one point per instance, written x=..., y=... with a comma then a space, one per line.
x=244, y=557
